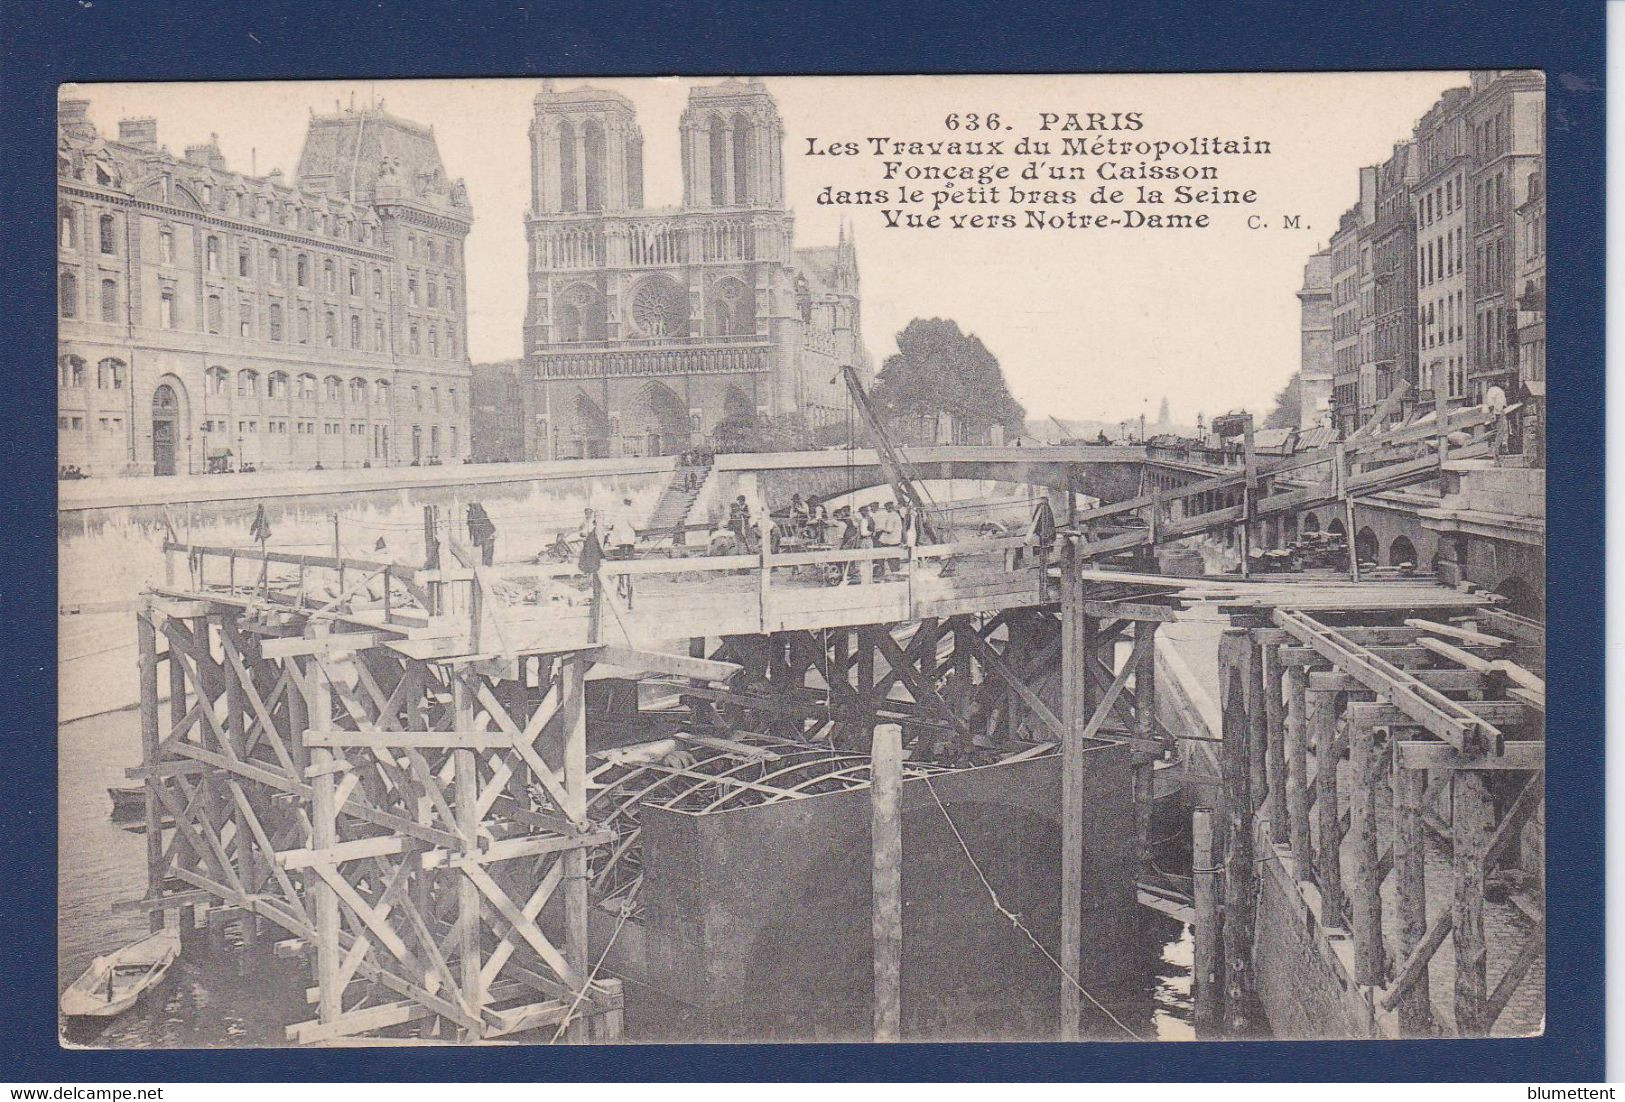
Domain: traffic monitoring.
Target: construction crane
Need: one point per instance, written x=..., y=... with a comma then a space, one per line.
x=892, y=462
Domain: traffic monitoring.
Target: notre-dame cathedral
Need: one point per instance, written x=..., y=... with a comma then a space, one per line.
x=648, y=327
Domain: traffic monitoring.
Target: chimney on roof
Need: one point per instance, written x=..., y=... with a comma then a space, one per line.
x=141, y=133
x=72, y=112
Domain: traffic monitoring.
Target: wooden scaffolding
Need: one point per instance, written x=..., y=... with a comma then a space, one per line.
x=418, y=827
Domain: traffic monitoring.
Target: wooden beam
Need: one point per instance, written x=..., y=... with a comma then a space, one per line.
x=1418, y=754
x=1452, y=631
x=1207, y=971
x=1426, y=706
x=670, y=665
x=333, y=643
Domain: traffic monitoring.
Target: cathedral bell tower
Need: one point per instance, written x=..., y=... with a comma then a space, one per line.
x=586, y=153
x=733, y=148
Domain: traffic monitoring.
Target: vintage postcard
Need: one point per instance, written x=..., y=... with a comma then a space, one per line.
x=648, y=560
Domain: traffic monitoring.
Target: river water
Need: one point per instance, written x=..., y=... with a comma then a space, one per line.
x=220, y=996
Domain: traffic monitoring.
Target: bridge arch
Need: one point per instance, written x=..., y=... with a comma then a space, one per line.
x=1311, y=523
x=1402, y=551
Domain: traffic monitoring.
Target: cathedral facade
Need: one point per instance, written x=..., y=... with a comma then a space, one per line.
x=210, y=319
x=652, y=330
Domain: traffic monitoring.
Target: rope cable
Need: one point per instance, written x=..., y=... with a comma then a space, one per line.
x=1015, y=919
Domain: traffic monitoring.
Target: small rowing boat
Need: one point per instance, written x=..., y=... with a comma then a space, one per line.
x=128, y=803
x=113, y=983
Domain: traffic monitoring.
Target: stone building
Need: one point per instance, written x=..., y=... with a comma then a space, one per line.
x=1531, y=303
x=1353, y=371
x=1393, y=261
x=1468, y=172
x=212, y=318
x=1439, y=205
x=1506, y=125
x=1315, y=357
x=646, y=328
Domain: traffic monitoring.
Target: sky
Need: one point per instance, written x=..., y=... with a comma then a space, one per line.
x=1097, y=324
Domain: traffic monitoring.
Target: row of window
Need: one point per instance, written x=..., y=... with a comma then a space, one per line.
x=72, y=373
x=279, y=384
x=283, y=427
x=68, y=306
x=436, y=293
x=1442, y=320
x=1434, y=205
x=74, y=422
x=68, y=232
x=1440, y=258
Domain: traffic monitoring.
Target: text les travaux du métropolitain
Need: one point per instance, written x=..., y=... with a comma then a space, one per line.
x=1104, y=161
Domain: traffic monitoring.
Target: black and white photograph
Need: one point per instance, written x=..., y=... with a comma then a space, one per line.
x=788, y=559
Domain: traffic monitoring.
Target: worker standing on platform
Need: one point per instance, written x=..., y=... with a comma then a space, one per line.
x=889, y=533
x=622, y=541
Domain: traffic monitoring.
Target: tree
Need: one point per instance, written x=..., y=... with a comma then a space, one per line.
x=939, y=369
x=1286, y=412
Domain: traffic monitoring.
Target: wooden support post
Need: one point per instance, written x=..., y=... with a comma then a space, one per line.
x=147, y=646
x=323, y=836
x=573, y=714
x=1296, y=735
x=1207, y=973
x=1275, y=743
x=1144, y=658
x=236, y=714
x=764, y=578
x=865, y=661
x=1258, y=787
x=1370, y=968
x=1328, y=862
x=1077, y=649
x=886, y=770
x=1410, y=786
x=1236, y=674
x=1471, y=828
x=466, y=796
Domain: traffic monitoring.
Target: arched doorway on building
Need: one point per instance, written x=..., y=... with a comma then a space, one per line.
x=1366, y=545
x=166, y=420
x=661, y=418
x=584, y=433
x=1402, y=552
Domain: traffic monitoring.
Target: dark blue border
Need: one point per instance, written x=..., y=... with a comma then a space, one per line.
x=48, y=41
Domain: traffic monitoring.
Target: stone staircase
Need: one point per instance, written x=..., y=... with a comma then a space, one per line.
x=676, y=501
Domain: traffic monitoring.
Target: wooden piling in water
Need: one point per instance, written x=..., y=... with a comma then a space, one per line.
x=1472, y=827
x=1237, y=676
x=1207, y=978
x=1328, y=848
x=147, y=648
x=1275, y=770
x=886, y=832
x=1415, y=1007
x=1077, y=647
x=1366, y=898
x=1296, y=738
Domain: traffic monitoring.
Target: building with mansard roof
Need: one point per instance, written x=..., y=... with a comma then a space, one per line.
x=214, y=319
x=647, y=328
